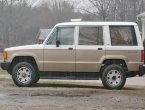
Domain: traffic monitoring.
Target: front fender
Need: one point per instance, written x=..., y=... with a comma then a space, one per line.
x=37, y=55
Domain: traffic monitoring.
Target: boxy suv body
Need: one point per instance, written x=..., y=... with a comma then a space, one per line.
x=112, y=51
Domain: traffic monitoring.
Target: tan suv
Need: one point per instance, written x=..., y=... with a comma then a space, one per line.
x=112, y=51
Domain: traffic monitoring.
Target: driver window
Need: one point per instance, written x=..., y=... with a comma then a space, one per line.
x=64, y=34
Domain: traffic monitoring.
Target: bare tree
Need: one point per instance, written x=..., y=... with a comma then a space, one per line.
x=20, y=23
x=99, y=8
x=114, y=10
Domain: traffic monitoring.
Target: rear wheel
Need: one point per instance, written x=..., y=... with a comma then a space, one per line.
x=113, y=77
x=37, y=78
x=24, y=74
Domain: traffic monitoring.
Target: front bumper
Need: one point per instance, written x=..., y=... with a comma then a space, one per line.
x=141, y=70
x=5, y=65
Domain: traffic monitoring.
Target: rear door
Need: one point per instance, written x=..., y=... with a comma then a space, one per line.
x=90, y=49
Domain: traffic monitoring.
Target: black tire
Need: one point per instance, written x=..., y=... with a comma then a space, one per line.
x=113, y=77
x=22, y=70
x=37, y=78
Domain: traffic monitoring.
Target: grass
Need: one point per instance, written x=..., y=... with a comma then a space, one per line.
x=54, y=83
x=78, y=87
x=1, y=56
x=70, y=88
x=4, y=82
x=1, y=59
x=67, y=84
x=2, y=72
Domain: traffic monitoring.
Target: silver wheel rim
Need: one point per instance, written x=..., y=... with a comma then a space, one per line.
x=24, y=75
x=114, y=78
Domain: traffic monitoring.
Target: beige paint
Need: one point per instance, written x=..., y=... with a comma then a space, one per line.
x=81, y=60
x=37, y=54
x=131, y=57
x=59, y=60
x=89, y=60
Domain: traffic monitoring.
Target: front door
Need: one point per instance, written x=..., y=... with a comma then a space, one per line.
x=61, y=57
x=90, y=49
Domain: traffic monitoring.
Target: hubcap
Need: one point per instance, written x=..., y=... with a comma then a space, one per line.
x=114, y=78
x=24, y=75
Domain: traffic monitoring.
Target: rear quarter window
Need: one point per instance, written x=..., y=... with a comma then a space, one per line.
x=123, y=36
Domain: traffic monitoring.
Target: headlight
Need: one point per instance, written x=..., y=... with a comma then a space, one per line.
x=5, y=55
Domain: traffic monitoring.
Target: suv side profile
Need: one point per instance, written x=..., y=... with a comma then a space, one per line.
x=112, y=51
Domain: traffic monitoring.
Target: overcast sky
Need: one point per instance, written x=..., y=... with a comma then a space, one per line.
x=39, y=2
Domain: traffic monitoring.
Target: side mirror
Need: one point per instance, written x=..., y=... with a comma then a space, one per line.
x=57, y=43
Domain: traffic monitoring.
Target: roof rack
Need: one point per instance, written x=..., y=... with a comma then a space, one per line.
x=76, y=20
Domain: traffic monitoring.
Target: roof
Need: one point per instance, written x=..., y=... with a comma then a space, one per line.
x=96, y=23
x=43, y=33
x=141, y=15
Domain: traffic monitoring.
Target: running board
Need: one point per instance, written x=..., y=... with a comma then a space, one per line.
x=67, y=76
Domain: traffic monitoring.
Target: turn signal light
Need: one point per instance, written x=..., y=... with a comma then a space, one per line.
x=5, y=55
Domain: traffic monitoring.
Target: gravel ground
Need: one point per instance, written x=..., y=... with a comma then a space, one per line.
x=71, y=95
x=60, y=98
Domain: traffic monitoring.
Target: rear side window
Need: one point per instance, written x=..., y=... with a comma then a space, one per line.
x=90, y=35
x=123, y=36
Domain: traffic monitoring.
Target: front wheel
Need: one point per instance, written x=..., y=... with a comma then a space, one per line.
x=113, y=77
x=24, y=74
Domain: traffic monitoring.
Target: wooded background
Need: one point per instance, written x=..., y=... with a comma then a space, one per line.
x=20, y=21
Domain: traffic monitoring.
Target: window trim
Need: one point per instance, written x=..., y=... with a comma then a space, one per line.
x=133, y=34
x=56, y=29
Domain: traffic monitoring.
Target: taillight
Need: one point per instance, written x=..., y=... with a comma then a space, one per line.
x=142, y=55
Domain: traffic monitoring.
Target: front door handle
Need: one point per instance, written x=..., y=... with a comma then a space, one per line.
x=70, y=48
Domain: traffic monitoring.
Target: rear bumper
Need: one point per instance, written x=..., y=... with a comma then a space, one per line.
x=5, y=65
x=141, y=70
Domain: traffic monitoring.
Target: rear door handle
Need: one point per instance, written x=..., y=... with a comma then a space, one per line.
x=70, y=48
x=100, y=49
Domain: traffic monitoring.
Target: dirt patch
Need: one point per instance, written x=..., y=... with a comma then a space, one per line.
x=45, y=96
x=69, y=95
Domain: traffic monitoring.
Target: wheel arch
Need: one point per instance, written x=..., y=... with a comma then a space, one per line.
x=29, y=59
x=120, y=62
